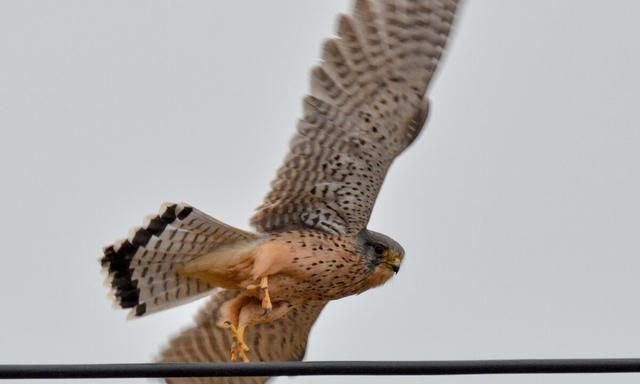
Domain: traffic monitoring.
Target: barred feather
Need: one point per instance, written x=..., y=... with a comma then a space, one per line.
x=367, y=104
x=142, y=269
x=282, y=340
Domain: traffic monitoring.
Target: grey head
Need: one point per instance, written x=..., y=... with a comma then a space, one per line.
x=380, y=249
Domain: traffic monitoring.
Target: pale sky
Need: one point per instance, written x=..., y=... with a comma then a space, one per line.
x=518, y=207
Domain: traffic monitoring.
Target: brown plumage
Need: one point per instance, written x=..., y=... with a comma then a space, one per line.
x=302, y=266
x=367, y=104
x=281, y=340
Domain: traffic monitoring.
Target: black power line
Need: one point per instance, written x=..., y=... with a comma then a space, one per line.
x=312, y=368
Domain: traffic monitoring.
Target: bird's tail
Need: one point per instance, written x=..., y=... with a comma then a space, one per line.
x=142, y=270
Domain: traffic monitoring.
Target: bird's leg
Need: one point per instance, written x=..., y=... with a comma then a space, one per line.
x=250, y=313
x=262, y=291
x=231, y=319
x=244, y=311
x=239, y=348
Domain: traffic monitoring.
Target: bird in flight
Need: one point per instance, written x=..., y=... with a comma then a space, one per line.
x=311, y=244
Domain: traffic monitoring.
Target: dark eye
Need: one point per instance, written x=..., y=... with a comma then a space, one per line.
x=379, y=249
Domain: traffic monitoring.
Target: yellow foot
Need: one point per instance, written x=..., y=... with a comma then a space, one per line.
x=262, y=291
x=264, y=294
x=239, y=348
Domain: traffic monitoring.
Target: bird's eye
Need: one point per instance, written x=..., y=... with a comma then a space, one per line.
x=379, y=249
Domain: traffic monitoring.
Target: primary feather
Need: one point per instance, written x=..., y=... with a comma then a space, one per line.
x=365, y=107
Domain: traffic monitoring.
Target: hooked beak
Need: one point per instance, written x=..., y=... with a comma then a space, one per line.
x=394, y=261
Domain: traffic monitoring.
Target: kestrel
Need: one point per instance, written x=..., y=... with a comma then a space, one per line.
x=367, y=104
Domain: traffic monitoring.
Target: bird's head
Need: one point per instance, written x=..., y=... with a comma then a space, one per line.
x=384, y=254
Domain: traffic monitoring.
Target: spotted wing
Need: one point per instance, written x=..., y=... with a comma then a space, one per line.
x=282, y=340
x=367, y=104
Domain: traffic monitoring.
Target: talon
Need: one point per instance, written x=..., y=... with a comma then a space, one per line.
x=234, y=354
x=262, y=291
x=264, y=295
x=239, y=351
x=239, y=348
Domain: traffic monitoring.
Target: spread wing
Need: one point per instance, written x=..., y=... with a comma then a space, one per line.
x=367, y=104
x=281, y=340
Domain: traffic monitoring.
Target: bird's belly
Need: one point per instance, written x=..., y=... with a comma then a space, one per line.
x=294, y=291
x=304, y=267
x=319, y=279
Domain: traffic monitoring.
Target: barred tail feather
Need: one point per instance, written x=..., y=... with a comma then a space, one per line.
x=142, y=270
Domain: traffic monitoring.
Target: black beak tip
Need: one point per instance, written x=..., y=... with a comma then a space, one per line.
x=395, y=268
